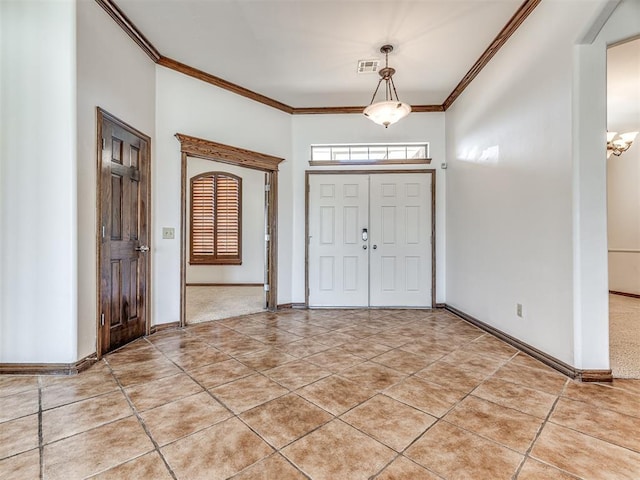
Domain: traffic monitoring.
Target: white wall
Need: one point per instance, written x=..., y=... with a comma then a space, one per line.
x=116, y=75
x=329, y=129
x=189, y=106
x=525, y=188
x=509, y=183
x=623, y=172
x=253, y=244
x=38, y=183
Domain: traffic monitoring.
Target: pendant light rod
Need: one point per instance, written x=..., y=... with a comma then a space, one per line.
x=375, y=93
x=390, y=110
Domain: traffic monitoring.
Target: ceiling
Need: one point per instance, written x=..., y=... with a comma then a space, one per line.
x=304, y=53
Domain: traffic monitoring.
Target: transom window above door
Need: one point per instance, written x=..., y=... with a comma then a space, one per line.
x=216, y=219
x=370, y=154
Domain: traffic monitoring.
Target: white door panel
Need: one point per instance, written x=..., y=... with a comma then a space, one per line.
x=400, y=262
x=338, y=265
x=395, y=270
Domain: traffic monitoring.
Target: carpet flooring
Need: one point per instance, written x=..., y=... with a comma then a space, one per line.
x=215, y=303
x=624, y=336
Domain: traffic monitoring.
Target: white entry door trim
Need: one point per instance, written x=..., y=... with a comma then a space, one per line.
x=346, y=202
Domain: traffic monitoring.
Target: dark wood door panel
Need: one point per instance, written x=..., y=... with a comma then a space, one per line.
x=134, y=205
x=116, y=294
x=124, y=193
x=134, y=292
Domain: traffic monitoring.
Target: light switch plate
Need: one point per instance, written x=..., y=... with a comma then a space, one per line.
x=168, y=233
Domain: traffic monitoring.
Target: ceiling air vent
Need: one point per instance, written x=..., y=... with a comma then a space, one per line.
x=368, y=66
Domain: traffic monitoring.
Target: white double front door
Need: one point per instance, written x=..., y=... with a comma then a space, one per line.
x=370, y=240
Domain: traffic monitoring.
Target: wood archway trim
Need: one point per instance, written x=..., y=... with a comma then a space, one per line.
x=208, y=150
x=219, y=152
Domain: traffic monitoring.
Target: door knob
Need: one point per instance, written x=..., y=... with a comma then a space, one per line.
x=364, y=247
x=142, y=248
x=375, y=247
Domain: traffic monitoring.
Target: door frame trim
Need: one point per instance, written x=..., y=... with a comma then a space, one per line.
x=430, y=171
x=101, y=116
x=217, y=152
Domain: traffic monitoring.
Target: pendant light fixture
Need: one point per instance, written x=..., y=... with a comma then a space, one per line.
x=389, y=111
x=618, y=146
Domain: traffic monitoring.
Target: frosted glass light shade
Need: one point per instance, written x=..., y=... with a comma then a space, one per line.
x=628, y=137
x=388, y=112
x=617, y=146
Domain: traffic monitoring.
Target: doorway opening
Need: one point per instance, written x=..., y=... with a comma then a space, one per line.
x=226, y=247
x=623, y=211
x=193, y=148
x=370, y=239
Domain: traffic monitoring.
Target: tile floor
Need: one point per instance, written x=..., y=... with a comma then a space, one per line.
x=340, y=395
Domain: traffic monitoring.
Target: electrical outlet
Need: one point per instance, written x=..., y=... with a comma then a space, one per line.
x=168, y=233
x=519, y=309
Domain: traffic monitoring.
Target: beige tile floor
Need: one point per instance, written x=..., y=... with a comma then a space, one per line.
x=340, y=395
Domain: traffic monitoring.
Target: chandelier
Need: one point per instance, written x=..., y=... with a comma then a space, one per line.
x=388, y=111
x=620, y=145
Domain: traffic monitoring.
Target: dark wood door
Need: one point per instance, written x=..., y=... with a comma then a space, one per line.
x=123, y=233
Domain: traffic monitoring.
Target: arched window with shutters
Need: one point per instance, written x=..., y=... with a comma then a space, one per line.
x=216, y=219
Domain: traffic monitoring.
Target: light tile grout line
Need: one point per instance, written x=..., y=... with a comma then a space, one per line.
x=237, y=415
x=289, y=391
x=40, y=439
x=234, y=415
x=535, y=438
x=40, y=387
x=143, y=425
x=441, y=418
x=438, y=420
x=381, y=392
x=562, y=396
x=376, y=392
x=603, y=385
x=470, y=393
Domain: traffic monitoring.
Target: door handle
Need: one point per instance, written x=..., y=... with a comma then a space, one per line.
x=364, y=247
x=142, y=248
x=365, y=235
x=375, y=247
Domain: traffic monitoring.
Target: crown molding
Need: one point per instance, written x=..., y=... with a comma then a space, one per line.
x=129, y=28
x=326, y=110
x=344, y=110
x=426, y=108
x=219, y=82
x=512, y=25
